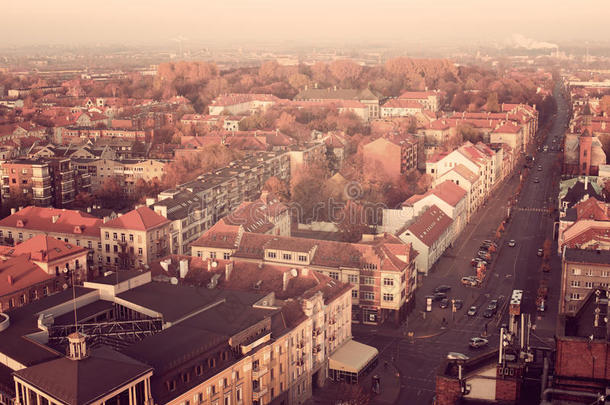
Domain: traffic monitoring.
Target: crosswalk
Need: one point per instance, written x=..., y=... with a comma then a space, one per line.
x=528, y=209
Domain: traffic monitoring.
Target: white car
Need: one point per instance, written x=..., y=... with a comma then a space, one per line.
x=477, y=342
x=456, y=356
x=512, y=243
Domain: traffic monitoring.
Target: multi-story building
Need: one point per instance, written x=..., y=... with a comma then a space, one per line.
x=38, y=267
x=229, y=342
x=47, y=181
x=430, y=100
x=74, y=227
x=392, y=155
x=135, y=239
x=223, y=190
x=186, y=211
x=365, y=97
x=381, y=269
x=430, y=234
x=582, y=270
x=469, y=181
x=236, y=104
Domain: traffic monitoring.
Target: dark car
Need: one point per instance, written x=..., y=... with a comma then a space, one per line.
x=444, y=303
x=442, y=289
x=493, y=305
x=438, y=296
x=458, y=304
x=488, y=313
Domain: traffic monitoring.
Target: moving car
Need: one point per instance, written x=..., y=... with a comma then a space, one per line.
x=493, y=305
x=477, y=342
x=442, y=289
x=512, y=243
x=540, y=253
x=472, y=311
x=456, y=356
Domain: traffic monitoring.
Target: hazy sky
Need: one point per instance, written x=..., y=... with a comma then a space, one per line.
x=158, y=21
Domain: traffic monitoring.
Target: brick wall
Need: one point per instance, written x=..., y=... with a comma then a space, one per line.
x=448, y=390
x=578, y=357
x=508, y=387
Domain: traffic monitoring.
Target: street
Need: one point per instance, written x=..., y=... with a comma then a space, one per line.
x=515, y=267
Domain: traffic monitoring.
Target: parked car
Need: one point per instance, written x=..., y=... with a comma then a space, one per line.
x=539, y=168
x=444, y=303
x=470, y=281
x=477, y=342
x=493, y=305
x=438, y=296
x=442, y=289
x=456, y=356
x=539, y=253
x=512, y=243
x=536, y=180
x=472, y=311
x=458, y=304
x=488, y=313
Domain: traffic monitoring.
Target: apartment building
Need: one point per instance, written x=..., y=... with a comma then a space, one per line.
x=225, y=343
x=392, y=155
x=186, y=211
x=224, y=189
x=47, y=181
x=71, y=226
x=366, y=97
x=135, y=239
x=582, y=270
x=381, y=269
x=38, y=267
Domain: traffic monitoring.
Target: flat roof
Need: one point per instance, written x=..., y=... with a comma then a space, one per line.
x=117, y=277
x=352, y=357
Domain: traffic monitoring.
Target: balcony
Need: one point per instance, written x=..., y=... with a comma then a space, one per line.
x=259, y=372
x=259, y=393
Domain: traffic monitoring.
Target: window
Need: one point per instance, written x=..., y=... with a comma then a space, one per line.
x=140, y=251
x=225, y=382
x=271, y=373
x=198, y=369
x=170, y=385
x=99, y=245
x=388, y=297
x=238, y=394
x=354, y=293
x=131, y=237
x=114, y=236
x=575, y=283
x=334, y=275
x=115, y=248
x=271, y=255
x=589, y=273
x=352, y=278
x=107, y=248
x=212, y=255
x=89, y=244
x=388, y=281
x=588, y=284
x=122, y=237
x=226, y=256
x=367, y=295
x=198, y=398
x=605, y=273
x=574, y=296
x=227, y=400
x=302, y=258
x=367, y=280
x=287, y=256
x=576, y=272
x=237, y=375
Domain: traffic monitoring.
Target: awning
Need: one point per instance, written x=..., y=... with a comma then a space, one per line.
x=352, y=357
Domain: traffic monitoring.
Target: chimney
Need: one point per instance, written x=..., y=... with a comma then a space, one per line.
x=13, y=211
x=9, y=279
x=77, y=346
x=184, y=268
x=586, y=182
x=89, y=209
x=55, y=218
x=228, y=270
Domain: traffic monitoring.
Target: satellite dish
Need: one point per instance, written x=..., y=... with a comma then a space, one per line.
x=65, y=286
x=66, y=270
x=173, y=280
x=214, y=264
x=294, y=272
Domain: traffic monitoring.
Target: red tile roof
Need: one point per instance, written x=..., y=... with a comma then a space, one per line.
x=430, y=225
x=17, y=273
x=140, y=219
x=449, y=192
x=43, y=248
x=412, y=95
x=66, y=221
x=399, y=103
x=508, y=128
x=592, y=208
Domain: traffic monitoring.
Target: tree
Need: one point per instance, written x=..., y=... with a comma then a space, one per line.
x=277, y=188
x=15, y=200
x=352, y=222
x=492, y=104
x=111, y=194
x=83, y=200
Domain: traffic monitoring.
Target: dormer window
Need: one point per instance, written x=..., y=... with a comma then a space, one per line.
x=287, y=256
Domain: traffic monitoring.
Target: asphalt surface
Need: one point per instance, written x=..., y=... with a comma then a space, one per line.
x=513, y=268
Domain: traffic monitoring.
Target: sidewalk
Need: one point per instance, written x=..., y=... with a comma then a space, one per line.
x=389, y=378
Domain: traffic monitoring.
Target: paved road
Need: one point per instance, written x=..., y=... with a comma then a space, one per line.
x=514, y=268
